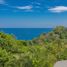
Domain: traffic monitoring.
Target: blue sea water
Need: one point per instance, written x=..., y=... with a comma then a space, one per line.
x=25, y=33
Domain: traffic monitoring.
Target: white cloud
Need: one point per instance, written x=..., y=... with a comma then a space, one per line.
x=37, y=3
x=24, y=7
x=2, y=2
x=58, y=9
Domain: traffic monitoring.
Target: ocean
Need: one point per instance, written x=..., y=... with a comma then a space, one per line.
x=25, y=33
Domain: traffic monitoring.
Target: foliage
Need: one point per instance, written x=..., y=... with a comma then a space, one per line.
x=42, y=51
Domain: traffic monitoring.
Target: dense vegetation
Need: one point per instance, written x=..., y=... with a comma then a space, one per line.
x=42, y=51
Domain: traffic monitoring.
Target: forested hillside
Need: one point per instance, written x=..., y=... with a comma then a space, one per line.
x=42, y=51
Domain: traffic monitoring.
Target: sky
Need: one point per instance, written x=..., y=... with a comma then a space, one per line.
x=33, y=13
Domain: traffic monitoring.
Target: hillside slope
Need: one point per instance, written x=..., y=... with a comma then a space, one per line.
x=42, y=51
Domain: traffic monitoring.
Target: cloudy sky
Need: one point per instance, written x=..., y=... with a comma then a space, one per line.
x=33, y=13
